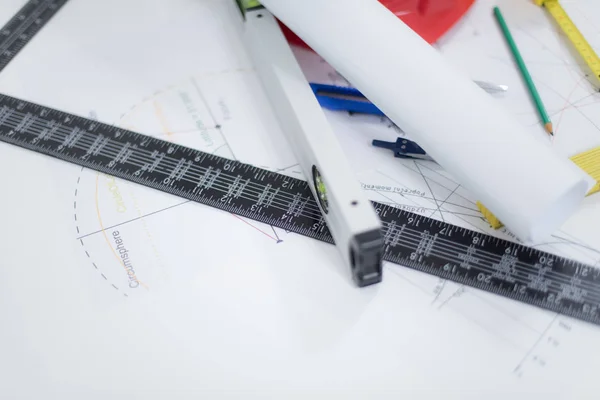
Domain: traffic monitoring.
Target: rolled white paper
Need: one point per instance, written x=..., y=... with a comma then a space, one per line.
x=519, y=179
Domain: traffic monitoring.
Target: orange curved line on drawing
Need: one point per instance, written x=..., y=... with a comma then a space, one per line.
x=106, y=237
x=127, y=116
x=162, y=119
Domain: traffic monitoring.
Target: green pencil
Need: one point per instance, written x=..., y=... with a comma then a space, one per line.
x=517, y=55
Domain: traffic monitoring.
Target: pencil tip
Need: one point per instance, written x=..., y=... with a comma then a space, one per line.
x=549, y=128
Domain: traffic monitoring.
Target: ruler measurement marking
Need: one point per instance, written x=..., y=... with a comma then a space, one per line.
x=431, y=246
x=570, y=30
x=291, y=208
x=25, y=22
x=21, y=28
x=152, y=168
x=295, y=204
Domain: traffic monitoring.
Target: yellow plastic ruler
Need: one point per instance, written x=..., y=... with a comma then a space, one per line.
x=570, y=30
x=588, y=161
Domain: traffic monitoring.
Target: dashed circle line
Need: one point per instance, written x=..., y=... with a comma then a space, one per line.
x=87, y=253
x=93, y=263
x=127, y=113
x=132, y=109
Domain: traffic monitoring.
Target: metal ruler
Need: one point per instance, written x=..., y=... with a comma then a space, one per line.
x=434, y=247
x=570, y=30
x=482, y=261
x=24, y=25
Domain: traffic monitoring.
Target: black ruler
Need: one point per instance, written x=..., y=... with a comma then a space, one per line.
x=434, y=247
x=24, y=25
x=437, y=248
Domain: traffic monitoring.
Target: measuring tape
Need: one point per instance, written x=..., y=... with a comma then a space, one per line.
x=437, y=248
x=570, y=30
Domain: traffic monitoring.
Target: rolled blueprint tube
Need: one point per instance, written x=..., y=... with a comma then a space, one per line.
x=532, y=190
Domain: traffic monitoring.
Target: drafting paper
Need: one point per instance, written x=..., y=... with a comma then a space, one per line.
x=455, y=121
x=227, y=307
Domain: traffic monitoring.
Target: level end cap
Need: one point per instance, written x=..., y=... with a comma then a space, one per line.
x=366, y=258
x=248, y=5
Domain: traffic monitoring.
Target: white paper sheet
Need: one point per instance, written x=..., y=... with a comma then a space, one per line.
x=230, y=308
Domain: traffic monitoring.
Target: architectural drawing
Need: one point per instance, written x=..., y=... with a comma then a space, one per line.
x=151, y=295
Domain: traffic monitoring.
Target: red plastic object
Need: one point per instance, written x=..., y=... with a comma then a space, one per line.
x=430, y=19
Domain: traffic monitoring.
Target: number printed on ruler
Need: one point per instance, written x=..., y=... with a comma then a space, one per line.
x=21, y=28
x=579, y=42
x=434, y=247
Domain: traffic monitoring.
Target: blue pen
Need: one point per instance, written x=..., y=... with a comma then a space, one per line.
x=339, y=98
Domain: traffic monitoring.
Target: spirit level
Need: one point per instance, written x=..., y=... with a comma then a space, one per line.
x=350, y=216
